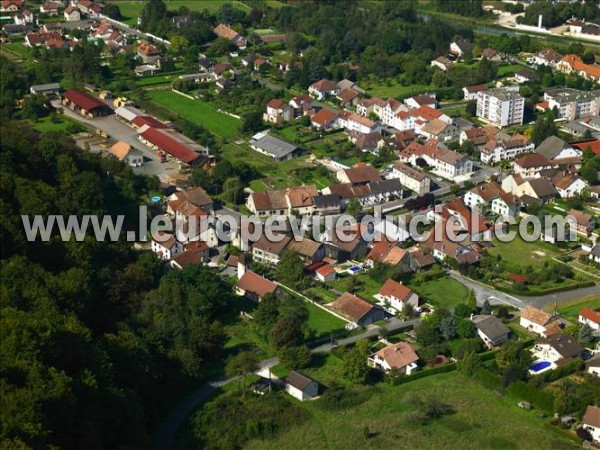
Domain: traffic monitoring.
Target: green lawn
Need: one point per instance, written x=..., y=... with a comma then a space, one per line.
x=445, y=292
x=321, y=321
x=276, y=175
x=131, y=9
x=362, y=285
x=198, y=112
x=572, y=310
x=381, y=89
x=512, y=68
x=481, y=420
x=521, y=253
x=45, y=125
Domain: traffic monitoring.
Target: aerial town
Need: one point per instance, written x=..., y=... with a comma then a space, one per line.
x=477, y=116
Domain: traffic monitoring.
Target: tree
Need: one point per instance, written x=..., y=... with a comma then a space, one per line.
x=469, y=364
x=427, y=334
x=486, y=308
x=178, y=44
x=290, y=270
x=355, y=367
x=241, y=365
x=462, y=310
x=466, y=329
x=543, y=128
x=233, y=190
x=353, y=208
x=287, y=332
x=267, y=312
x=448, y=327
x=513, y=354
x=113, y=11
x=252, y=121
x=585, y=335
x=465, y=347
x=471, y=108
x=295, y=357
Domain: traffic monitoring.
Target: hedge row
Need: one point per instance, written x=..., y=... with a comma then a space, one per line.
x=583, y=284
x=422, y=374
x=561, y=371
x=523, y=391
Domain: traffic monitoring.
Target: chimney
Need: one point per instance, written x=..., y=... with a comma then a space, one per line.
x=241, y=269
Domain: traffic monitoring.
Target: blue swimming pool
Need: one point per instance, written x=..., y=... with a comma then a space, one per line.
x=354, y=268
x=155, y=199
x=539, y=366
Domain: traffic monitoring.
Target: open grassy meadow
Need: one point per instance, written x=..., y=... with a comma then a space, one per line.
x=198, y=112
x=521, y=253
x=382, y=421
x=571, y=311
x=445, y=292
x=131, y=9
x=321, y=321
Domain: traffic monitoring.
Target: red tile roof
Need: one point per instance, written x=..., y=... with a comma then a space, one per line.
x=276, y=104
x=169, y=145
x=325, y=270
x=594, y=145
x=351, y=306
x=590, y=314
x=83, y=100
x=140, y=121
x=398, y=355
x=392, y=288
x=255, y=284
x=324, y=117
x=532, y=160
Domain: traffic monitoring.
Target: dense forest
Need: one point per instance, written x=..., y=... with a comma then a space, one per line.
x=96, y=341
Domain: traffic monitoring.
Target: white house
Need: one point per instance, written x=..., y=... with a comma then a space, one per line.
x=591, y=422
x=536, y=320
x=505, y=204
x=413, y=179
x=72, y=14
x=398, y=295
x=323, y=89
x=593, y=366
x=569, y=186
x=490, y=330
x=557, y=349
x=460, y=47
x=399, y=358
x=166, y=245
x=300, y=386
x=595, y=254
x=325, y=273
x=590, y=317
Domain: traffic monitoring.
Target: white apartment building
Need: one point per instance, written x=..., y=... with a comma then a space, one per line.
x=572, y=103
x=501, y=107
x=413, y=179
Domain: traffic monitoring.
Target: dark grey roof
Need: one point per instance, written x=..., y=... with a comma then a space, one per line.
x=326, y=201
x=298, y=380
x=272, y=145
x=45, y=87
x=595, y=251
x=550, y=147
x=385, y=186
x=491, y=326
x=543, y=187
x=528, y=73
x=564, y=344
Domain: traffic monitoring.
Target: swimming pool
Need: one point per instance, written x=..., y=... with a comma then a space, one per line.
x=155, y=199
x=539, y=366
x=354, y=269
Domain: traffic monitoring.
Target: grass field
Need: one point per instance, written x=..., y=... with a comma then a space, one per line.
x=482, y=420
x=512, y=68
x=131, y=9
x=321, y=321
x=198, y=112
x=45, y=125
x=521, y=253
x=381, y=89
x=571, y=311
x=445, y=292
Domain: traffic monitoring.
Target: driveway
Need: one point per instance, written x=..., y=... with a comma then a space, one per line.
x=118, y=131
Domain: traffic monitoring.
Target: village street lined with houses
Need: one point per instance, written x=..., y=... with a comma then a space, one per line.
x=307, y=138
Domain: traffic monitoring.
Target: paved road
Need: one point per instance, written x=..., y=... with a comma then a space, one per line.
x=483, y=292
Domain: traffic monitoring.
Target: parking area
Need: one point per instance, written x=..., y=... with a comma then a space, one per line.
x=118, y=131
